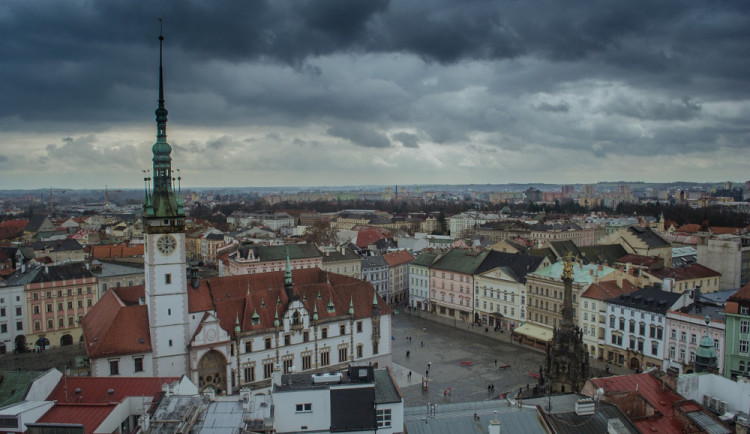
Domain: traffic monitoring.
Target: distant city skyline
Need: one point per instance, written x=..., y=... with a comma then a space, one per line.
x=329, y=93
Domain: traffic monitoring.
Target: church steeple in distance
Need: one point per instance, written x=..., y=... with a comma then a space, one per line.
x=163, y=203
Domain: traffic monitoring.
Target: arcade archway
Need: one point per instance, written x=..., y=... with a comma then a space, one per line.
x=212, y=371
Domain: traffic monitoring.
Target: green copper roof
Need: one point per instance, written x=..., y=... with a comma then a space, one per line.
x=162, y=202
x=581, y=273
x=15, y=384
x=460, y=261
x=424, y=259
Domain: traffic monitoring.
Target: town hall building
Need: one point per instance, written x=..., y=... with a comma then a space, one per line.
x=226, y=332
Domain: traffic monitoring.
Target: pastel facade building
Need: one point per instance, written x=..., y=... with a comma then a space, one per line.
x=452, y=283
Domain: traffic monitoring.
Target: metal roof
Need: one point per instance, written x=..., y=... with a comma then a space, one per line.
x=459, y=418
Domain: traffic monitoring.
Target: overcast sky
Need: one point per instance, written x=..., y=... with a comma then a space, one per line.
x=283, y=93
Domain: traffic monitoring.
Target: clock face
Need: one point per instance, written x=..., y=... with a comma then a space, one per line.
x=166, y=244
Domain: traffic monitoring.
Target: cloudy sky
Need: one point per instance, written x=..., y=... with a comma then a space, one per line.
x=346, y=92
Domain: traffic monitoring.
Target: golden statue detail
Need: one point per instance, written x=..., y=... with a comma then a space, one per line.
x=568, y=266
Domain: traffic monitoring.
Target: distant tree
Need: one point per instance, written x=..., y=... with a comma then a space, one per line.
x=322, y=234
x=442, y=224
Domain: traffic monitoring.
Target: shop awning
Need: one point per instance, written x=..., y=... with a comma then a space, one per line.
x=539, y=333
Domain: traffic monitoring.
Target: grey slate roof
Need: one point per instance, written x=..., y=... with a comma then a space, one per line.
x=565, y=420
x=648, y=236
x=518, y=263
x=385, y=388
x=373, y=262
x=649, y=299
x=52, y=273
x=335, y=256
x=603, y=254
x=65, y=245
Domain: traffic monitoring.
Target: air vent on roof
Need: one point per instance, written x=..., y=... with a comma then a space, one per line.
x=111, y=391
x=77, y=390
x=140, y=340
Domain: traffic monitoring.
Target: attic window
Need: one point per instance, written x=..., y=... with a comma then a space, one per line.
x=255, y=318
x=331, y=307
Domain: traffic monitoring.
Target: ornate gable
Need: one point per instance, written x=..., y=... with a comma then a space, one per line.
x=209, y=332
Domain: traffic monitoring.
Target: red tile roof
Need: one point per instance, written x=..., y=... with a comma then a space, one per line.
x=116, y=251
x=113, y=327
x=398, y=258
x=608, y=289
x=689, y=228
x=688, y=272
x=652, y=390
x=96, y=390
x=88, y=401
x=718, y=230
x=742, y=293
x=117, y=322
x=369, y=236
x=12, y=228
x=88, y=415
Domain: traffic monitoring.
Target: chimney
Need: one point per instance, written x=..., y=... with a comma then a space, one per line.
x=494, y=427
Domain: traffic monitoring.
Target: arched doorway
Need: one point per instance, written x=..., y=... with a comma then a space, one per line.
x=212, y=371
x=42, y=343
x=20, y=344
x=66, y=340
x=634, y=363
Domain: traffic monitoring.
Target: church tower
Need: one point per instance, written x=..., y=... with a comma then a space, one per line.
x=165, y=264
x=567, y=364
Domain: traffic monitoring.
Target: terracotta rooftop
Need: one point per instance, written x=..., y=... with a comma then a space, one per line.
x=12, y=228
x=659, y=396
x=116, y=251
x=117, y=323
x=398, y=258
x=608, y=289
x=102, y=390
x=113, y=327
x=691, y=271
x=90, y=400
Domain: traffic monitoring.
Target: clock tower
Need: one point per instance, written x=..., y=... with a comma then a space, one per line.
x=165, y=264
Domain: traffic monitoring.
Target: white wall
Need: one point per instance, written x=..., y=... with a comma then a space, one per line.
x=43, y=386
x=735, y=393
x=290, y=420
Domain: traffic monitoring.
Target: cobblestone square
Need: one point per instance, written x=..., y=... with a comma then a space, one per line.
x=460, y=361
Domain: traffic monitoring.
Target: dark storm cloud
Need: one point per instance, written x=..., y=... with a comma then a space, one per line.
x=407, y=139
x=92, y=64
x=360, y=135
x=562, y=107
x=682, y=110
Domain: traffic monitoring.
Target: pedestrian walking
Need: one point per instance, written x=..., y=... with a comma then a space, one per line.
x=495, y=362
x=407, y=354
x=421, y=343
x=427, y=373
x=409, y=376
x=489, y=389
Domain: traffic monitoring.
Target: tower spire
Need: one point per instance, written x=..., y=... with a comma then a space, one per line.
x=163, y=202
